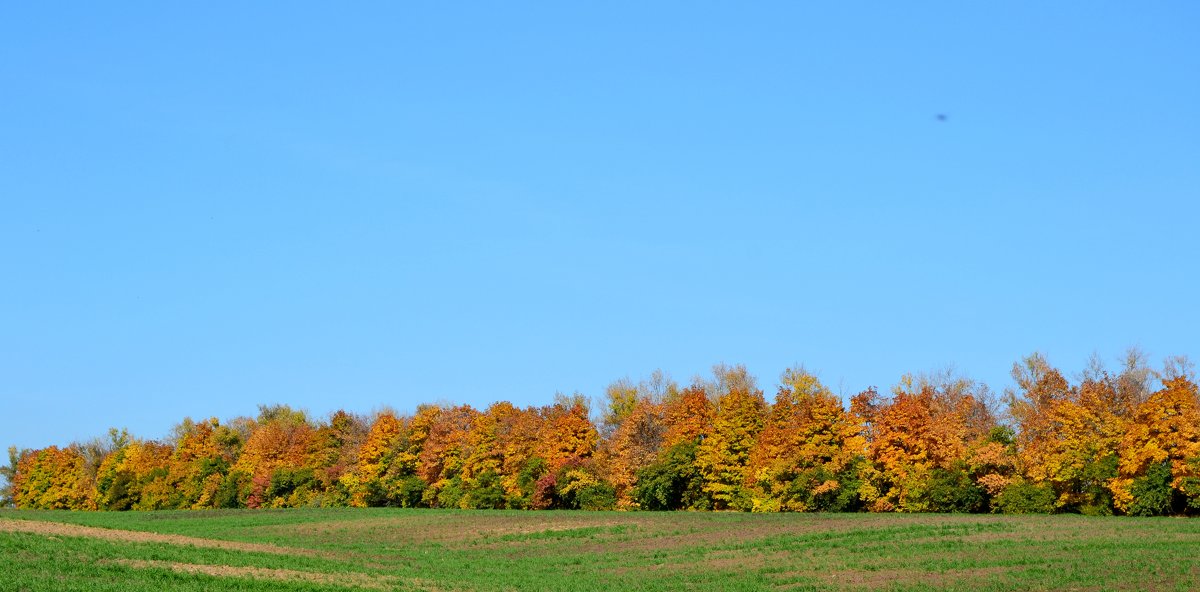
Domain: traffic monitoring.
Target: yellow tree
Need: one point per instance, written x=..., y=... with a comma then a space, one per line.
x=518, y=439
x=483, y=441
x=148, y=466
x=198, y=465
x=382, y=453
x=723, y=457
x=1068, y=436
x=333, y=453
x=805, y=456
x=483, y=465
x=52, y=478
x=136, y=476
x=1040, y=388
x=1079, y=456
x=1160, y=453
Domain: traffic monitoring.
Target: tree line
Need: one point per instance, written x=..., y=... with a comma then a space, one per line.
x=1111, y=442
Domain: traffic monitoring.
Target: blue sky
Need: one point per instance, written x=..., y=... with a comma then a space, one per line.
x=207, y=207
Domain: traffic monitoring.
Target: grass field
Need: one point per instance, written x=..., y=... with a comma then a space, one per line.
x=385, y=549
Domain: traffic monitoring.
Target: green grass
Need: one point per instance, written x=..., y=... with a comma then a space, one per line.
x=347, y=549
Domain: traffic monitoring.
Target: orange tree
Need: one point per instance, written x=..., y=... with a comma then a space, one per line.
x=1159, y=469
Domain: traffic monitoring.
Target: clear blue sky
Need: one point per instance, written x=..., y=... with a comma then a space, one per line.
x=206, y=206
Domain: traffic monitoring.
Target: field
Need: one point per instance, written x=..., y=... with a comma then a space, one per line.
x=386, y=549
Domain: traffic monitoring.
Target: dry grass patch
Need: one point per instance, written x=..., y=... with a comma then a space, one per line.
x=52, y=529
x=445, y=528
x=349, y=580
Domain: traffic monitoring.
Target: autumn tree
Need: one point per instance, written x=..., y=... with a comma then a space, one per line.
x=483, y=466
x=567, y=443
x=689, y=416
x=444, y=453
x=723, y=457
x=917, y=446
x=143, y=470
x=992, y=463
x=52, y=478
x=383, y=471
x=567, y=432
x=988, y=465
x=806, y=457
x=198, y=466
x=333, y=453
x=634, y=445
x=634, y=428
x=1159, y=471
x=274, y=456
x=96, y=450
x=1067, y=438
x=672, y=480
x=518, y=438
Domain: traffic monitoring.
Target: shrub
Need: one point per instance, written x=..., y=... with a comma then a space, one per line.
x=485, y=493
x=671, y=483
x=953, y=491
x=406, y=492
x=450, y=494
x=1022, y=497
x=600, y=496
x=819, y=490
x=229, y=494
x=527, y=479
x=1097, y=497
x=1152, y=493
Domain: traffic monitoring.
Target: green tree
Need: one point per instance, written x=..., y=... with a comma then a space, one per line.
x=672, y=482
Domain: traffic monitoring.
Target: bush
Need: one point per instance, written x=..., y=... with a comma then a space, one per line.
x=1097, y=497
x=1189, y=486
x=819, y=490
x=284, y=481
x=576, y=486
x=953, y=491
x=671, y=483
x=545, y=493
x=485, y=493
x=532, y=471
x=1152, y=493
x=450, y=495
x=406, y=492
x=600, y=496
x=229, y=494
x=1024, y=498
